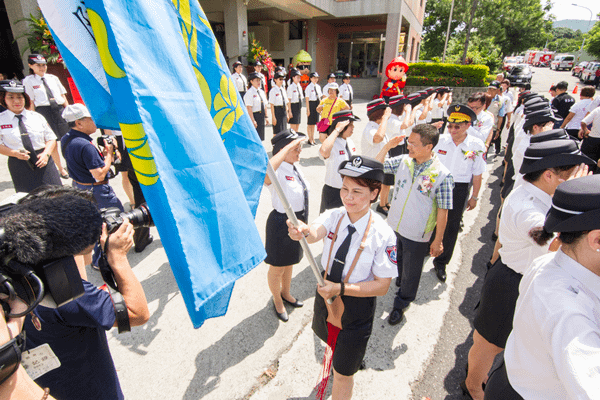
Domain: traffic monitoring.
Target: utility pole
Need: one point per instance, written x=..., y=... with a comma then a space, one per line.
x=448, y=32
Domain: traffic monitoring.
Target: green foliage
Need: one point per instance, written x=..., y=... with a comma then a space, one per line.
x=446, y=74
x=40, y=40
x=565, y=40
x=481, y=51
x=593, y=41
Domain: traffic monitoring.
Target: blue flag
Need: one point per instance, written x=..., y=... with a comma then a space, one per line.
x=204, y=217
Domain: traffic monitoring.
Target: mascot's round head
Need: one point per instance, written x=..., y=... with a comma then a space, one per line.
x=397, y=68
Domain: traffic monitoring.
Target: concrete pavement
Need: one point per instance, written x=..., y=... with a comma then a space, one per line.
x=249, y=353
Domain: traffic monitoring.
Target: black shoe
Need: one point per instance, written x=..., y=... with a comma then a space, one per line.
x=440, y=272
x=463, y=386
x=296, y=304
x=396, y=316
x=65, y=175
x=362, y=366
x=383, y=210
x=494, y=237
x=398, y=281
x=139, y=247
x=282, y=316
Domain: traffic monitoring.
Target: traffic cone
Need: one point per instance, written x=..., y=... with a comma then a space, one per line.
x=575, y=90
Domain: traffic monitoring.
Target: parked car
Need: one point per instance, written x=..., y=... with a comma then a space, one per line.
x=509, y=62
x=544, y=64
x=589, y=73
x=578, y=69
x=520, y=73
x=562, y=62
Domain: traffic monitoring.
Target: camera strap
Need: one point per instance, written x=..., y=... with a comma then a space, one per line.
x=121, y=313
x=10, y=356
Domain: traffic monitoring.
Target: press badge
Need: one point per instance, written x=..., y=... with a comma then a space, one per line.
x=39, y=361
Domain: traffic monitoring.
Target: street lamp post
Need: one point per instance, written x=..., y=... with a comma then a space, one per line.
x=589, y=22
x=448, y=32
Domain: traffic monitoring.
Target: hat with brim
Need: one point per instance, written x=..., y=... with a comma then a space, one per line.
x=554, y=134
x=539, y=117
x=460, y=113
x=237, y=64
x=362, y=167
x=279, y=75
x=12, y=86
x=258, y=64
x=332, y=75
x=494, y=85
x=283, y=138
x=313, y=75
x=346, y=76
x=333, y=85
x=551, y=154
x=74, y=112
x=534, y=99
x=414, y=97
x=294, y=72
x=254, y=75
x=374, y=105
x=345, y=115
x=536, y=107
x=36, y=59
x=395, y=101
x=575, y=206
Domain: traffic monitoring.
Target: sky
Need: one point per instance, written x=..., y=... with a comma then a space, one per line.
x=563, y=9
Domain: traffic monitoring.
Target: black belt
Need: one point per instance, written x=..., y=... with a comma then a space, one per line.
x=93, y=184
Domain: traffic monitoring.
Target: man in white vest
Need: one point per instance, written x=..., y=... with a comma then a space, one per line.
x=421, y=200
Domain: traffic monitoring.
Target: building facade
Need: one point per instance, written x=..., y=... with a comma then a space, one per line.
x=355, y=36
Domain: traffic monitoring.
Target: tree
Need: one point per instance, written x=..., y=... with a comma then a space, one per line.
x=435, y=24
x=593, y=40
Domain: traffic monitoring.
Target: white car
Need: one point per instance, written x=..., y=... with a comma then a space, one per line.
x=589, y=73
x=563, y=62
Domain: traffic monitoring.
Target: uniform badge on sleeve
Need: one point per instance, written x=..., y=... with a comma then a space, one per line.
x=392, y=254
x=289, y=178
x=330, y=235
x=342, y=152
x=8, y=126
x=442, y=152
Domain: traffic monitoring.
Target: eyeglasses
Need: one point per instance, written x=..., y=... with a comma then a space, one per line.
x=453, y=126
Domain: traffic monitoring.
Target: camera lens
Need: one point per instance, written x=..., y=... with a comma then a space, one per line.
x=139, y=217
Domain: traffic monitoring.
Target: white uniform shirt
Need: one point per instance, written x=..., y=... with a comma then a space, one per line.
x=34, y=87
x=553, y=351
x=36, y=125
x=519, y=155
x=346, y=92
x=418, y=121
x=253, y=98
x=595, y=103
x=292, y=187
x=278, y=96
x=437, y=112
x=273, y=84
x=241, y=84
x=482, y=126
x=294, y=93
x=580, y=109
x=465, y=160
x=394, y=127
x=313, y=92
x=379, y=255
x=367, y=146
x=525, y=208
x=336, y=157
x=594, y=117
x=510, y=106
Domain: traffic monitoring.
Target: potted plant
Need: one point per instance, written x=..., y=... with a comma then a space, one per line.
x=257, y=53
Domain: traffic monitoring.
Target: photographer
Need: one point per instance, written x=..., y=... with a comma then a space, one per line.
x=87, y=166
x=55, y=224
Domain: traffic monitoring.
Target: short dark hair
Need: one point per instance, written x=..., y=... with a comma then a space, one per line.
x=505, y=81
x=377, y=114
x=477, y=97
x=562, y=85
x=588, y=91
x=553, y=87
x=429, y=134
x=3, y=99
x=372, y=184
x=535, y=175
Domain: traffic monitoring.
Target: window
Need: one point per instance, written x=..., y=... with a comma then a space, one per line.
x=361, y=53
x=296, y=28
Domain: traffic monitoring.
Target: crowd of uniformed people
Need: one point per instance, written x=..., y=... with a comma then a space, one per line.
x=422, y=160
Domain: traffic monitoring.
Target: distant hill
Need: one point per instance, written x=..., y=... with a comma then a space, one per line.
x=583, y=25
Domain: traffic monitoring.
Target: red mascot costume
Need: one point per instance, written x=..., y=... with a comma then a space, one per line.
x=396, y=73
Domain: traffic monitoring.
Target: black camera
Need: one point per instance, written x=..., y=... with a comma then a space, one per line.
x=139, y=217
x=109, y=139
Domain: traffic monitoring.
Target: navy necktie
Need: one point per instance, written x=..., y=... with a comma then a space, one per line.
x=304, y=190
x=51, y=98
x=339, y=261
x=26, y=140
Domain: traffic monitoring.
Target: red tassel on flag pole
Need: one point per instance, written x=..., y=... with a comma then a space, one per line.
x=332, y=335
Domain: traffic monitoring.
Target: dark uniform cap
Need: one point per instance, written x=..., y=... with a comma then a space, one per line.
x=258, y=64
x=397, y=100
x=374, y=105
x=341, y=116
x=12, y=86
x=347, y=76
x=254, y=75
x=494, y=85
x=536, y=107
x=36, y=59
x=413, y=97
x=313, y=75
x=551, y=154
x=539, y=117
x=332, y=75
x=236, y=64
x=294, y=72
x=524, y=93
x=554, y=134
x=362, y=167
x=575, y=206
x=283, y=138
x=429, y=91
x=535, y=99
x=460, y=113
x=279, y=75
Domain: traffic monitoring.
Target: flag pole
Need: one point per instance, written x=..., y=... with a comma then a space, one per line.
x=292, y=217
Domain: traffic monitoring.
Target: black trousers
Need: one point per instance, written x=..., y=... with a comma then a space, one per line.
x=259, y=117
x=459, y=199
x=140, y=235
x=410, y=258
x=498, y=387
x=54, y=117
x=498, y=141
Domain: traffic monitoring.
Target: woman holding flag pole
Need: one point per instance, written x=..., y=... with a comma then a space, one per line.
x=361, y=268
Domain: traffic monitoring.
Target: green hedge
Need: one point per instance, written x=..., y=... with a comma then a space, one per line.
x=445, y=74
